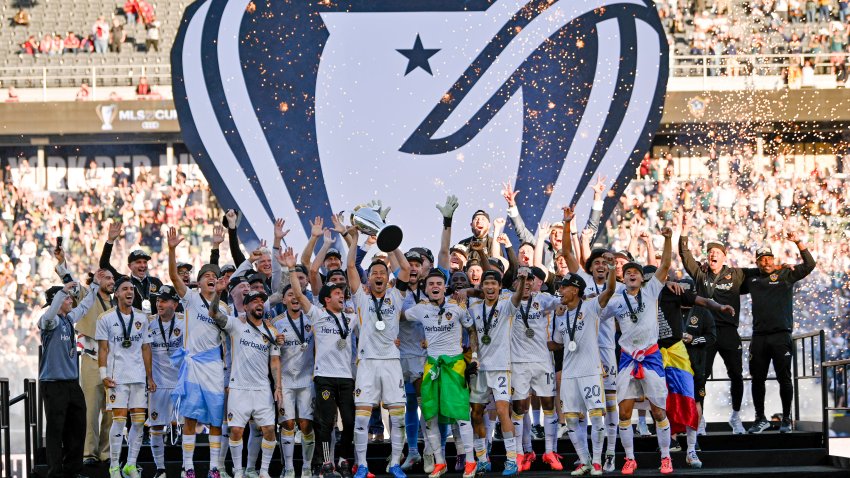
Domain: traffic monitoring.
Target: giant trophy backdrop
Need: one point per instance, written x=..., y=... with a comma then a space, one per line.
x=302, y=108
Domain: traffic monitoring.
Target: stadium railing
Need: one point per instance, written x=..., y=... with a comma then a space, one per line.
x=32, y=430
x=807, y=363
x=836, y=372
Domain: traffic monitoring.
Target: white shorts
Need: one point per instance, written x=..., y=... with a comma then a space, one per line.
x=609, y=368
x=297, y=403
x=497, y=381
x=379, y=381
x=651, y=386
x=412, y=368
x=160, y=407
x=535, y=376
x=582, y=394
x=128, y=395
x=242, y=405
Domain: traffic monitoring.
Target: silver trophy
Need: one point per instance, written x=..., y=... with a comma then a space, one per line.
x=107, y=114
x=367, y=219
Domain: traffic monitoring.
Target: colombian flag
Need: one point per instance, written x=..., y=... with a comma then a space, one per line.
x=681, y=405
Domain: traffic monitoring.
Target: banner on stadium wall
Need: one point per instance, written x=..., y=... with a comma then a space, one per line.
x=77, y=168
x=298, y=109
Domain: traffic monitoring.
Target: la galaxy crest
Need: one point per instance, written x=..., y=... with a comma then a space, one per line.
x=294, y=109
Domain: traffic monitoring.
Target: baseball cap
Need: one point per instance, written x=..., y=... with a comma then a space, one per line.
x=167, y=292
x=573, y=280
x=228, y=268
x=326, y=290
x=412, y=255
x=491, y=275
x=715, y=245
x=209, y=268
x=235, y=281
x=50, y=294
x=481, y=212
x=333, y=252
x=436, y=273
x=120, y=280
x=337, y=272
x=425, y=252
x=497, y=261
x=539, y=273
x=300, y=268
x=632, y=265
x=253, y=294
x=460, y=249
x=625, y=255
x=185, y=265
x=649, y=270
x=136, y=255
x=764, y=252
x=256, y=277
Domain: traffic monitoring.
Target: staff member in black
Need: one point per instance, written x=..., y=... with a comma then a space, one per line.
x=146, y=286
x=771, y=288
x=715, y=280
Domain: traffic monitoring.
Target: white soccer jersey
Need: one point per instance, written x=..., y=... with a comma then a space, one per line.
x=371, y=342
x=411, y=333
x=607, y=330
x=162, y=346
x=201, y=332
x=585, y=360
x=124, y=365
x=296, y=355
x=525, y=349
x=643, y=333
x=443, y=327
x=497, y=354
x=251, y=349
x=331, y=361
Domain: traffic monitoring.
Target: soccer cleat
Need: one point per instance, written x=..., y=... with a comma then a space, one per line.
x=306, y=472
x=629, y=467
x=223, y=473
x=736, y=424
x=396, y=472
x=345, y=470
x=460, y=462
x=115, y=472
x=469, y=469
x=693, y=460
x=190, y=473
x=251, y=473
x=520, y=459
x=439, y=470
x=596, y=470
x=484, y=466
x=666, y=466
x=785, y=427
x=530, y=458
x=131, y=471
x=327, y=471
x=510, y=469
x=609, y=462
x=362, y=471
x=411, y=461
x=213, y=473
x=160, y=473
x=581, y=470
x=642, y=429
x=238, y=474
x=553, y=460
x=761, y=424
x=288, y=473
x=428, y=463
x=675, y=446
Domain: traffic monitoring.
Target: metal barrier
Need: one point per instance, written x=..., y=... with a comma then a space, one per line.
x=835, y=373
x=32, y=437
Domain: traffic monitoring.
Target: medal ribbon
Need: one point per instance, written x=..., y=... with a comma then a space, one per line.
x=343, y=332
x=295, y=329
x=629, y=304
x=572, y=330
x=162, y=331
x=124, y=327
x=488, y=319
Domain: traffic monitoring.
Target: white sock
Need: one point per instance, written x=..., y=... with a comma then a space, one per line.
x=663, y=430
x=612, y=416
x=518, y=421
x=361, y=434
x=432, y=434
x=308, y=447
x=582, y=429
x=134, y=438
x=428, y=450
x=188, y=451
x=692, y=439
x=734, y=414
x=116, y=439
x=580, y=444
x=597, y=436
x=627, y=438
x=480, y=445
x=225, y=439
x=457, y=438
x=215, y=450
x=535, y=415
x=236, y=453
x=491, y=426
x=158, y=448
x=255, y=440
x=287, y=447
x=465, y=427
x=510, y=446
x=268, y=450
x=550, y=430
x=397, y=434
x=526, y=433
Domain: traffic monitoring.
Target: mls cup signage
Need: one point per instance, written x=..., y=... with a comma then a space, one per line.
x=302, y=108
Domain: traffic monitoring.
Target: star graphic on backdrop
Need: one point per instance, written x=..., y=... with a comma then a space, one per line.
x=417, y=57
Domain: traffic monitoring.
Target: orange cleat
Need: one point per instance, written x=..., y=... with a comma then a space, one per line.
x=629, y=466
x=469, y=469
x=530, y=457
x=666, y=466
x=439, y=470
x=553, y=460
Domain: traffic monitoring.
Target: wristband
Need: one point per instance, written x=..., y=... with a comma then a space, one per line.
x=276, y=248
x=102, y=371
x=447, y=221
x=345, y=233
x=474, y=355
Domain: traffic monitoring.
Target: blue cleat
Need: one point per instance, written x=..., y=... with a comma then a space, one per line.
x=483, y=467
x=362, y=472
x=395, y=470
x=510, y=469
